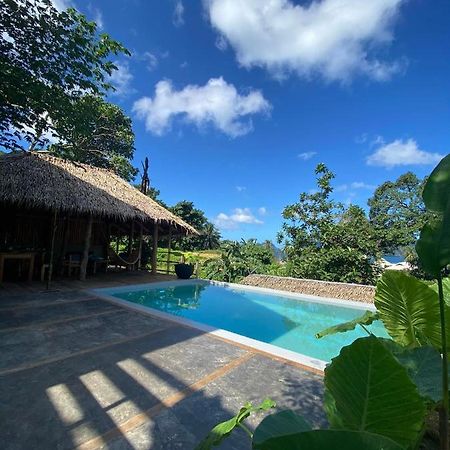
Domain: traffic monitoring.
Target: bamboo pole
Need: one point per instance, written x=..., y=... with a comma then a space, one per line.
x=169, y=250
x=52, y=251
x=155, y=248
x=87, y=244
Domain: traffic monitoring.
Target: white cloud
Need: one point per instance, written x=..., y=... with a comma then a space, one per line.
x=151, y=61
x=237, y=217
x=221, y=43
x=121, y=80
x=241, y=188
x=306, y=155
x=98, y=18
x=361, y=185
x=262, y=211
x=333, y=38
x=361, y=139
x=402, y=153
x=217, y=103
x=62, y=5
x=178, y=14
x=354, y=186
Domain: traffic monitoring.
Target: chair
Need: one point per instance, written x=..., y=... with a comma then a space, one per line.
x=72, y=261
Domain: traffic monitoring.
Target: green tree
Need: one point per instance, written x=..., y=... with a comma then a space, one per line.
x=97, y=133
x=397, y=212
x=48, y=59
x=326, y=241
x=195, y=217
x=211, y=237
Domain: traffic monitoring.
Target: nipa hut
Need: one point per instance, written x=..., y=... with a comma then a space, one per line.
x=65, y=216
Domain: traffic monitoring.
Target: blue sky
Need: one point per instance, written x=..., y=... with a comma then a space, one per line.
x=235, y=102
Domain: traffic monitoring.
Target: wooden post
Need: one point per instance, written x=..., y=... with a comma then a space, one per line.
x=196, y=269
x=52, y=252
x=155, y=248
x=169, y=249
x=87, y=244
x=141, y=233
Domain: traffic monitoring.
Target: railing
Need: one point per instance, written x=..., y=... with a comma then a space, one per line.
x=167, y=265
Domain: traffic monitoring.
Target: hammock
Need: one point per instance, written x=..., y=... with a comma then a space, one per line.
x=116, y=259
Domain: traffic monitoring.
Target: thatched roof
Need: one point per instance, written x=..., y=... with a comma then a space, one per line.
x=37, y=180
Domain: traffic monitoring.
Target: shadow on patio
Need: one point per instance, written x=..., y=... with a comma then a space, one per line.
x=84, y=373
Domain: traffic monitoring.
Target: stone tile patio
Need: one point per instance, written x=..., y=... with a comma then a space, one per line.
x=79, y=372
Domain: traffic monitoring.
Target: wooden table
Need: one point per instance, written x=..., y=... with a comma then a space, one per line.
x=20, y=255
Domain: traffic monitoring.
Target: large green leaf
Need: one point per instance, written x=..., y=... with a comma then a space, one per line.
x=424, y=367
x=446, y=289
x=330, y=440
x=366, y=319
x=279, y=424
x=433, y=246
x=222, y=430
x=409, y=309
x=436, y=192
x=373, y=392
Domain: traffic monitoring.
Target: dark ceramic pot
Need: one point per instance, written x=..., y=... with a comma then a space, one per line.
x=184, y=271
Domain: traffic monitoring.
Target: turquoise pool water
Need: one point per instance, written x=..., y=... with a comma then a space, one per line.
x=276, y=319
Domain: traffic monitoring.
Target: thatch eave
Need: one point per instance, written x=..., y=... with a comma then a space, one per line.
x=36, y=180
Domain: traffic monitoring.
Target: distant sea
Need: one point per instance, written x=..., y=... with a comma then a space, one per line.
x=394, y=259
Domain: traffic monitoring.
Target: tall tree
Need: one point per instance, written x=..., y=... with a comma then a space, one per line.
x=48, y=59
x=211, y=237
x=97, y=133
x=326, y=241
x=397, y=212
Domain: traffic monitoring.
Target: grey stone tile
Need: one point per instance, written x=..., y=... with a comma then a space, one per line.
x=63, y=404
x=36, y=315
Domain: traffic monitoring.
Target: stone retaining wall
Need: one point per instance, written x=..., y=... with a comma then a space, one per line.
x=343, y=291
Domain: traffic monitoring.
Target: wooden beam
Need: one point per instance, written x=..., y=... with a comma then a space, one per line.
x=155, y=248
x=87, y=245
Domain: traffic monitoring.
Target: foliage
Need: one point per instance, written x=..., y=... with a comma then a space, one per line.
x=326, y=241
x=97, y=133
x=238, y=260
x=409, y=309
x=397, y=212
x=366, y=319
x=371, y=391
x=378, y=391
x=48, y=60
x=423, y=365
x=224, y=429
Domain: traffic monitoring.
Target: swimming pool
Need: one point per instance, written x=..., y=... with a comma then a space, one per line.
x=285, y=320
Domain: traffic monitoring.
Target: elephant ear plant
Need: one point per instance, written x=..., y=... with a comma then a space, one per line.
x=379, y=392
